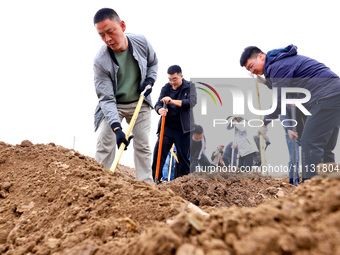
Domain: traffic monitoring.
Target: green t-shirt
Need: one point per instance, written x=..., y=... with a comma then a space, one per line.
x=128, y=78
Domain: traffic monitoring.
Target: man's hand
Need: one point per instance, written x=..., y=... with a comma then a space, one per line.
x=120, y=138
x=260, y=79
x=292, y=134
x=169, y=100
x=166, y=100
x=143, y=86
x=262, y=131
x=162, y=111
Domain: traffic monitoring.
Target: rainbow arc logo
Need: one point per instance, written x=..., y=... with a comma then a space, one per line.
x=209, y=93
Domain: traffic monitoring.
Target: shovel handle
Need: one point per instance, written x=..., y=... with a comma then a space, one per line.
x=160, y=144
x=129, y=130
x=117, y=158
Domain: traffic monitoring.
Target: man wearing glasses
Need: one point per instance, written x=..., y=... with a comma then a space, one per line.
x=285, y=68
x=180, y=97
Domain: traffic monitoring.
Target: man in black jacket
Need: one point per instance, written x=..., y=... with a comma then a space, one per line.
x=180, y=97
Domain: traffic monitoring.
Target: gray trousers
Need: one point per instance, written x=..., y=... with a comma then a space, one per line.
x=106, y=140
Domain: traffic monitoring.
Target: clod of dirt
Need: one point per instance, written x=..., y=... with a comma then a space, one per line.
x=26, y=143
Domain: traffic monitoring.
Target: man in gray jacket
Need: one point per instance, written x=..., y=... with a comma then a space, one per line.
x=123, y=67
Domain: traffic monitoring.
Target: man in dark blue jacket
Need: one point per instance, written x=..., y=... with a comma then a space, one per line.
x=180, y=97
x=197, y=157
x=285, y=68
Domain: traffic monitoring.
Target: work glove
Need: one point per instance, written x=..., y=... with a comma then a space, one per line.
x=262, y=131
x=148, y=81
x=120, y=138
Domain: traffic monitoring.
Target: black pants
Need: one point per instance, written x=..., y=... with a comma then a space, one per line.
x=320, y=135
x=182, y=142
x=227, y=162
x=245, y=163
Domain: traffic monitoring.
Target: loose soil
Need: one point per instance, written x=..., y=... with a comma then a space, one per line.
x=57, y=201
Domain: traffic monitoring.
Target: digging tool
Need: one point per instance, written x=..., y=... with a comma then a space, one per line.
x=170, y=165
x=234, y=141
x=262, y=150
x=160, y=144
x=173, y=155
x=233, y=150
x=129, y=130
x=295, y=173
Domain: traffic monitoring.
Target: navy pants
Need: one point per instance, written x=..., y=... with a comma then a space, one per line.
x=320, y=135
x=182, y=142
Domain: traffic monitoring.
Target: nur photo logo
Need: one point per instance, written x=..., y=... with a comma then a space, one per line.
x=204, y=101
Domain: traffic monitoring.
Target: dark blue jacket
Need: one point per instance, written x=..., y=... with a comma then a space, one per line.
x=285, y=68
x=188, y=96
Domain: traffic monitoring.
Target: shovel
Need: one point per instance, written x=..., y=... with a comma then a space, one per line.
x=295, y=173
x=160, y=147
x=173, y=155
x=129, y=130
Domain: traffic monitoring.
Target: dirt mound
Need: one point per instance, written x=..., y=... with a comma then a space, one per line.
x=225, y=192
x=57, y=201
x=305, y=222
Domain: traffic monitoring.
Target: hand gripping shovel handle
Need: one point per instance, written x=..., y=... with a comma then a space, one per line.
x=160, y=144
x=129, y=130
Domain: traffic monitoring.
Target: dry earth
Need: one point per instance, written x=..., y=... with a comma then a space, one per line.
x=57, y=201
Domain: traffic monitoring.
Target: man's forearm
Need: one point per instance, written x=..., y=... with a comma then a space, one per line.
x=176, y=102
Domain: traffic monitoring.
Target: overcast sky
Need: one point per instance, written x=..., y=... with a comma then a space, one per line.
x=47, y=50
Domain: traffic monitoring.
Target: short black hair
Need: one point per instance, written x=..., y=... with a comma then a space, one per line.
x=174, y=69
x=198, y=129
x=249, y=52
x=105, y=13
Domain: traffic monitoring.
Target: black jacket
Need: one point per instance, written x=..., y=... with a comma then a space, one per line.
x=189, y=99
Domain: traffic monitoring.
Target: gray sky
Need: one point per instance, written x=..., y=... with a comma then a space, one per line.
x=47, y=50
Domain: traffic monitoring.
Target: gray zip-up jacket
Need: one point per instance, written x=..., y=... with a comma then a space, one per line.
x=105, y=76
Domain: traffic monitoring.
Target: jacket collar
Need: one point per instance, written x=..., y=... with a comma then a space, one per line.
x=278, y=54
x=112, y=54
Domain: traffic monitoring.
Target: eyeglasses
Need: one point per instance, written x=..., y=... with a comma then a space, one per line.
x=251, y=66
x=173, y=79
